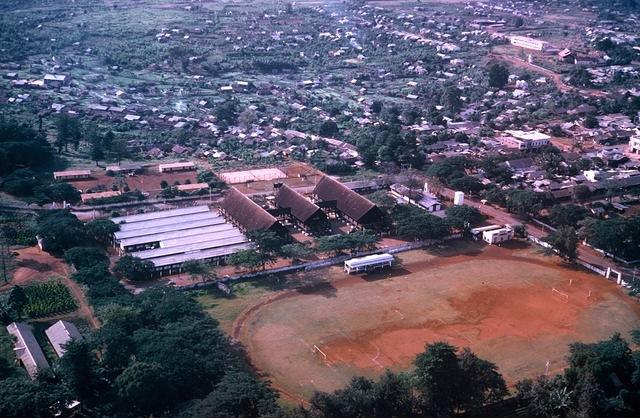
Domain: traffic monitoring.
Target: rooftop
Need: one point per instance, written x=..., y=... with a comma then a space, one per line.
x=60, y=334
x=27, y=349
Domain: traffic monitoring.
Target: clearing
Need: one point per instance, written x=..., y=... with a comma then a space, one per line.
x=498, y=301
x=34, y=266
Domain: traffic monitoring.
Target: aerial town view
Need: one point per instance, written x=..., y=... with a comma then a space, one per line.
x=319, y=208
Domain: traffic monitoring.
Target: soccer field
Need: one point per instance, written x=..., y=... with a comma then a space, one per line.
x=500, y=302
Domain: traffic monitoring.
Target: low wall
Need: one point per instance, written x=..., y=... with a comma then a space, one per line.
x=315, y=265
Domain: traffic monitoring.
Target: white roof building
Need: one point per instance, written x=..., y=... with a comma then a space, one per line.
x=27, y=349
x=60, y=333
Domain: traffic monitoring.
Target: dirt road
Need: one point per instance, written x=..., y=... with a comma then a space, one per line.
x=34, y=265
x=586, y=254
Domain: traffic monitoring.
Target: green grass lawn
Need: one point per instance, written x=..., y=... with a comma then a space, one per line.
x=247, y=293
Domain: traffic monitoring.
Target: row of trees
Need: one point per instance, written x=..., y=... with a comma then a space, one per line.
x=60, y=230
x=446, y=382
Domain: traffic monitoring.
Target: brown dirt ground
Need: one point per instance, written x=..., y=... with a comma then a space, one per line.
x=33, y=265
x=148, y=182
x=497, y=301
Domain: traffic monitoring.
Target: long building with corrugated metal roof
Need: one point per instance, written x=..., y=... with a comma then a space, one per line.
x=169, y=238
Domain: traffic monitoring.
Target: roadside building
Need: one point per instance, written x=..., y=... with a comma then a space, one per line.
x=180, y=166
x=72, y=175
x=61, y=333
x=27, y=349
x=496, y=236
x=356, y=208
x=308, y=215
x=248, y=215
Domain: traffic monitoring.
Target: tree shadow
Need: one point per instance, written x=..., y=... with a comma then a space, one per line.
x=33, y=265
x=388, y=274
x=325, y=289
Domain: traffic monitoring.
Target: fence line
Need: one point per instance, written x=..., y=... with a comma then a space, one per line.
x=315, y=265
x=582, y=263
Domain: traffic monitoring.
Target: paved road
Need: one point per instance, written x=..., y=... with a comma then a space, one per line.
x=585, y=253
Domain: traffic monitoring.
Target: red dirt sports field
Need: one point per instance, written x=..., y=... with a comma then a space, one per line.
x=497, y=301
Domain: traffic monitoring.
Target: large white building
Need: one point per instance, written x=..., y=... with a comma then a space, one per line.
x=525, y=140
x=170, y=238
x=529, y=43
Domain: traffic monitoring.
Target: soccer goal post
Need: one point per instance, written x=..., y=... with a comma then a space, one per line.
x=563, y=296
x=316, y=349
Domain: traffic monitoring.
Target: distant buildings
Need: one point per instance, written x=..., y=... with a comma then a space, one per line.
x=72, y=175
x=529, y=43
x=180, y=166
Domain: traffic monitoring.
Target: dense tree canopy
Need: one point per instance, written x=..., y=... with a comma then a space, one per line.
x=463, y=216
x=414, y=223
x=21, y=146
x=60, y=230
x=498, y=76
x=133, y=268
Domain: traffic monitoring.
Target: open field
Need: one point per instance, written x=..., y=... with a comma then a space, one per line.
x=148, y=182
x=497, y=301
